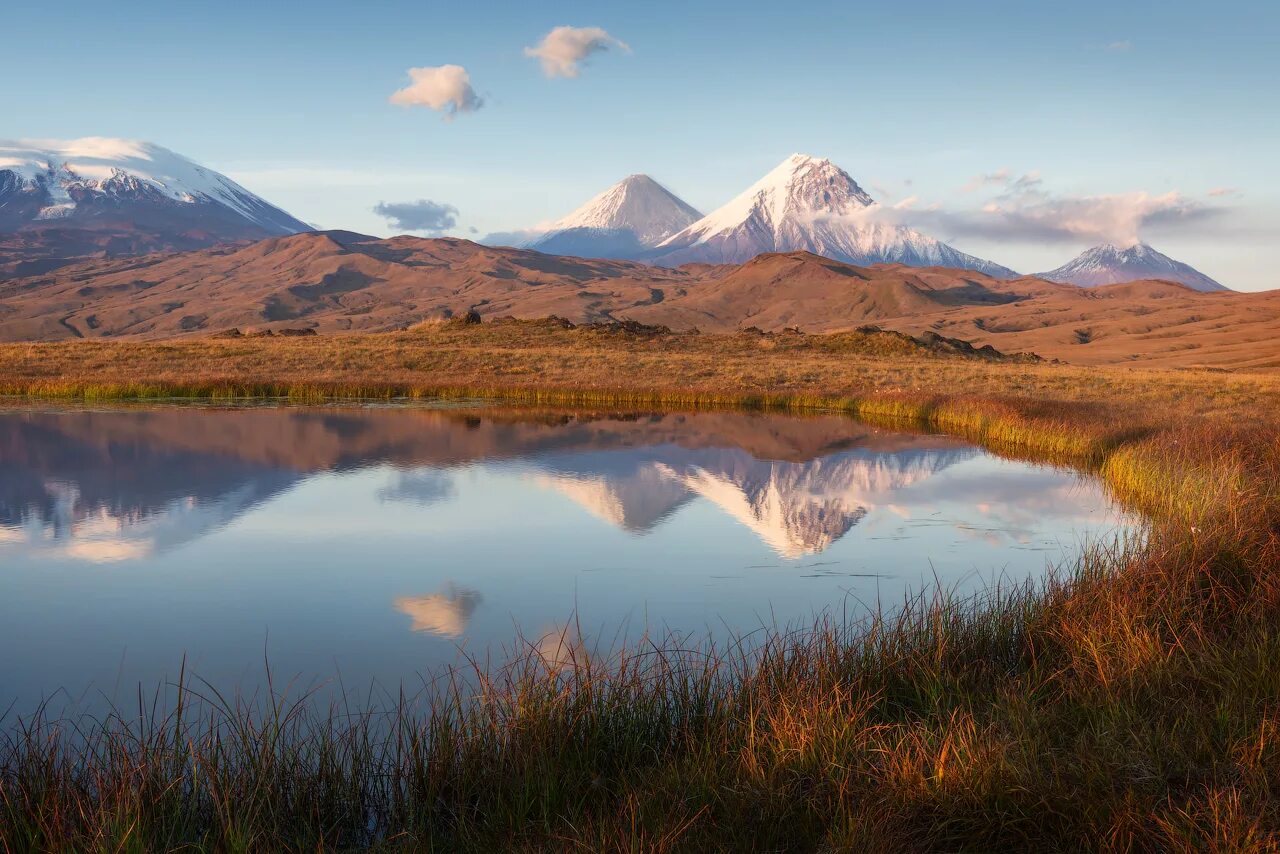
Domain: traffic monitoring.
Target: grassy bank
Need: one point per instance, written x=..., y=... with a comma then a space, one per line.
x=565, y=366
x=1131, y=703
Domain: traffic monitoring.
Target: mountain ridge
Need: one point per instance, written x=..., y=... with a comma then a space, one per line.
x=342, y=282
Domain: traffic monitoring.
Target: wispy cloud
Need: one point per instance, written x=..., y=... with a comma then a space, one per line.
x=443, y=88
x=423, y=215
x=1116, y=217
x=977, y=182
x=563, y=50
x=1224, y=191
x=1123, y=46
x=1018, y=208
x=1023, y=209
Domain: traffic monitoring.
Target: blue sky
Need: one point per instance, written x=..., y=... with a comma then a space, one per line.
x=1172, y=99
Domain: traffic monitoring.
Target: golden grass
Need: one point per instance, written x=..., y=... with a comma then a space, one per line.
x=1130, y=703
x=542, y=363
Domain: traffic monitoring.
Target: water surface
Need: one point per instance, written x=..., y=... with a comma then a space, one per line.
x=375, y=542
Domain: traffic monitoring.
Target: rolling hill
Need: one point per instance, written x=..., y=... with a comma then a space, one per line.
x=340, y=282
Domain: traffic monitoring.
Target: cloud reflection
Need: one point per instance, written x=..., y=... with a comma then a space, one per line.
x=445, y=614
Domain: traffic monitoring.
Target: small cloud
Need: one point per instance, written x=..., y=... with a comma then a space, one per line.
x=977, y=182
x=1120, y=46
x=563, y=49
x=473, y=230
x=1224, y=191
x=444, y=88
x=422, y=215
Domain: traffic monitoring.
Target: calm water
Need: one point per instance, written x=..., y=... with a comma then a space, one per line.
x=374, y=542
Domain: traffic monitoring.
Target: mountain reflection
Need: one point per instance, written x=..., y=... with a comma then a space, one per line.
x=131, y=483
x=796, y=508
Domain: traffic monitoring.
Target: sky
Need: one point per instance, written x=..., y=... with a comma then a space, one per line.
x=1018, y=131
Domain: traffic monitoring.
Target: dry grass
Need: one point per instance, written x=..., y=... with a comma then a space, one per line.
x=536, y=358
x=1130, y=703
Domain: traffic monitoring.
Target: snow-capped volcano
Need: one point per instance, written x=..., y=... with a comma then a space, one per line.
x=122, y=197
x=810, y=204
x=91, y=176
x=624, y=221
x=1110, y=264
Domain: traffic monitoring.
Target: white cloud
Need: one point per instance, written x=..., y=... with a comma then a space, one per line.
x=563, y=49
x=1120, y=46
x=1224, y=191
x=444, y=88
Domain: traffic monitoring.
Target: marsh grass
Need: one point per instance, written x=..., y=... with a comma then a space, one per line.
x=1131, y=701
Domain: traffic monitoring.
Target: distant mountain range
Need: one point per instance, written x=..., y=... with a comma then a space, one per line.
x=805, y=204
x=116, y=198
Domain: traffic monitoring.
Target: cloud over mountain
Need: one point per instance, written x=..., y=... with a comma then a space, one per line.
x=562, y=50
x=423, y=215
x=1022, y=209
x=444, y=88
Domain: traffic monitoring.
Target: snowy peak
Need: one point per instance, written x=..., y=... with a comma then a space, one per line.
x=97, y=176
x=638, y=203
x=625, y=220
x=810, y=204
x=1110, y=264
x=799, y=186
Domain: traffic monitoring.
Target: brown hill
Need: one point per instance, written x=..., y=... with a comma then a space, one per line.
x=342, y=282
x=329, y=281
x=778, y=290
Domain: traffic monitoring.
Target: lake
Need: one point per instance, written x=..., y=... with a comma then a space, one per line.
x=373, y=543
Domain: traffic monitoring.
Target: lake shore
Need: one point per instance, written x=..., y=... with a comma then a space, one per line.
x=1132, y=699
